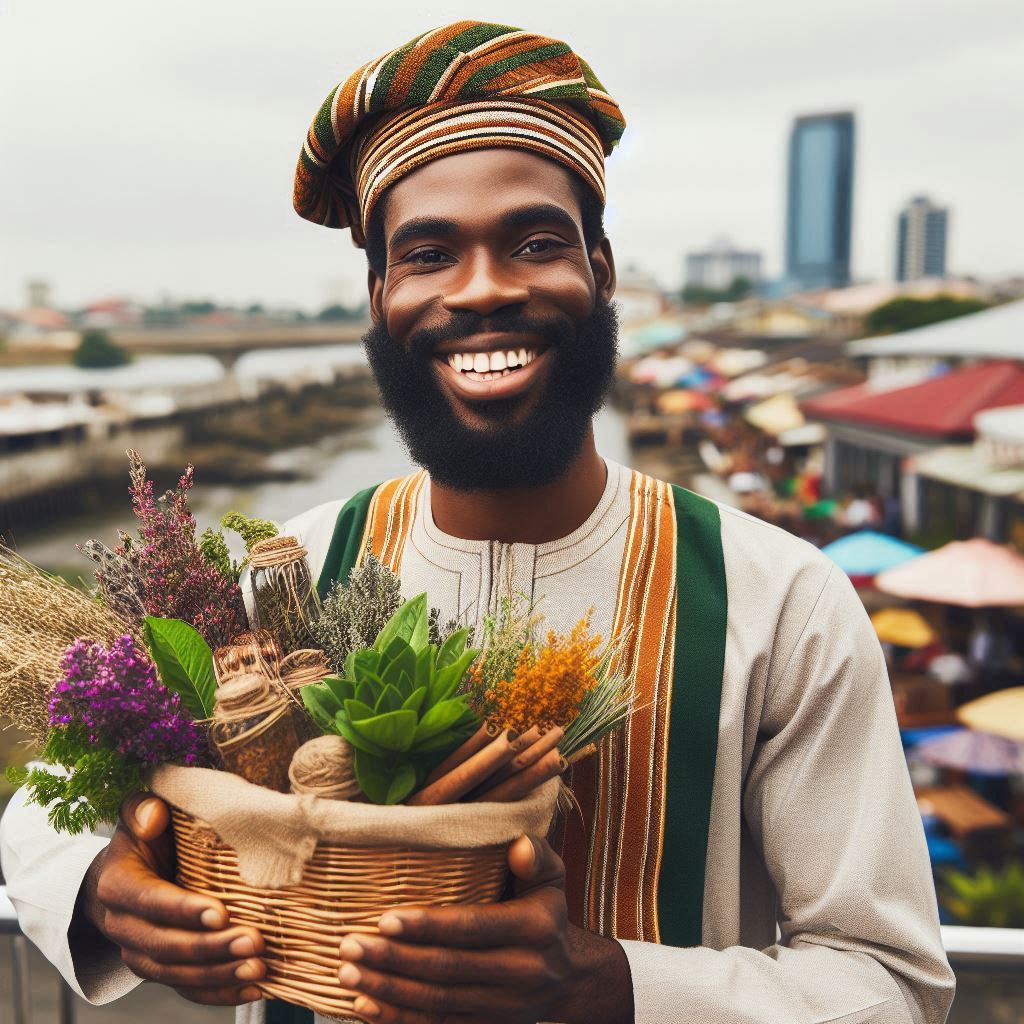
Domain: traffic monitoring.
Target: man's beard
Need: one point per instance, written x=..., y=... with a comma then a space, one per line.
x=508, y=453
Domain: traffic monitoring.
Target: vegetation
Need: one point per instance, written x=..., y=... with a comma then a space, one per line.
x=905, y=313
x=987, y=899
x=96, y=352
x=339, y=312
x=740, y=288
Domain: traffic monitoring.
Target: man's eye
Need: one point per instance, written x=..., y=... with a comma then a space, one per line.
x=426, y=256
x=539, y=246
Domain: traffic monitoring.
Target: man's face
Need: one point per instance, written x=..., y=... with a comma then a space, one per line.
x=493, y=341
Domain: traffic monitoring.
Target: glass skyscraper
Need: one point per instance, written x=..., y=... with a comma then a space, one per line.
x=921, y=240
x=819, y=217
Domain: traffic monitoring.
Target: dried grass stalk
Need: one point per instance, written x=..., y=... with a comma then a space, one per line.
x=40, y=616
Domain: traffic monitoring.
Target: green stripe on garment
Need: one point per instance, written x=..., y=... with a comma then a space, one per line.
x=344, y=549
x=534, y=56
x=286, y=1013
x=386, y=75
x=701, y=616
x=443, y=58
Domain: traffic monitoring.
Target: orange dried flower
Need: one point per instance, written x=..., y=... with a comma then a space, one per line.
x=549, y=682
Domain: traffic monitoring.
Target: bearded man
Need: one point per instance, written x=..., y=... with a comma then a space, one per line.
x=749, y=848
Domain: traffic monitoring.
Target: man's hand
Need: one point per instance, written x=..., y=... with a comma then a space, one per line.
x=165, y=933
x=517, y=962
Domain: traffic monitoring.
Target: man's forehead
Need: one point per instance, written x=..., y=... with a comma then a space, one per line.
x=483, y=186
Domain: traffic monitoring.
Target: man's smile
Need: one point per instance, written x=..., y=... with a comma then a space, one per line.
x=491, y=367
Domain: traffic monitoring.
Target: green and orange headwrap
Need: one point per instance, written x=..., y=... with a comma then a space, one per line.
x=470, y=85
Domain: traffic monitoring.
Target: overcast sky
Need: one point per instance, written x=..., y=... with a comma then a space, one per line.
x=148, y=149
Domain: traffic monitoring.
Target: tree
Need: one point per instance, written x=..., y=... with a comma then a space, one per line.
x=902, y=314
x=739, y=288
x=96, y=351
x=339, y=312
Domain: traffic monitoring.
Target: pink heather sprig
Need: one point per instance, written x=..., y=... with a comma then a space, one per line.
x=115, y=695
x=177, y=581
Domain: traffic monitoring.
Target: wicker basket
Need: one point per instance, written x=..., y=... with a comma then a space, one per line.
x=344, y=889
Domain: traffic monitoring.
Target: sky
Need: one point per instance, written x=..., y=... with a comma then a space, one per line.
x=148, y=150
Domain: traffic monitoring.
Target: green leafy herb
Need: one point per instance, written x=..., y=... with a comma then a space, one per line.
x=398, y=704
x=185, y=662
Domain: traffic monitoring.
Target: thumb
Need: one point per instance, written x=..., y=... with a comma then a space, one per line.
x=534, y=864
x=145, y=816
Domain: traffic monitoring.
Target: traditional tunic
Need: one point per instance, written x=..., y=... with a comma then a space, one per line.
x=817, y=902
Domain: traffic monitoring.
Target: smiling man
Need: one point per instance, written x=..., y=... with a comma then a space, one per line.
x=748, y=849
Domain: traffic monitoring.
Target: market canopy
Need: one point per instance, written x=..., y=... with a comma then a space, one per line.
x=980, y=753
x=970, y=573
x=775, y=415
x=1000, y=713
x=673, y=403
x=867, y=552
x=903, y=627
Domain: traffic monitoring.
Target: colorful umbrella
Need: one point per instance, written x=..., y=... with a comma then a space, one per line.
x=775, y=415
x=979, y=753
x=971, y=573
x=1000, y=713
x=867, y=552
x=673, y=403
x=824, y=509
x=903, y=627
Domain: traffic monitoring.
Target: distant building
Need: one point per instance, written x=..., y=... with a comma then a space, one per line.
x=921, y=240
x=718, y=266
x=37, y=292
x=819, y=213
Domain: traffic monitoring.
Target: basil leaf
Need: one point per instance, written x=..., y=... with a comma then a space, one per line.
x=185, y=662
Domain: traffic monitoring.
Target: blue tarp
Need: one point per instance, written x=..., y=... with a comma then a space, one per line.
x=867, y=553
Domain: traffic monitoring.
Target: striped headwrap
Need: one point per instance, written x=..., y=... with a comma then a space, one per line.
x=469, y=85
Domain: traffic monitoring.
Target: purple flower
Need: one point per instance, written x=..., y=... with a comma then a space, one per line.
x=115, y=695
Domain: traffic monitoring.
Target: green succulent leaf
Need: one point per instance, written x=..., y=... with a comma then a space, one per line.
x=392, y=731
x=374, y=774
x=390, y=699
x=402, y=784
x=439, y=718
x=447, y=680
x=453, y=648
x=356, y=710
x=415, y=699
x=185, y=662
x=343, y=727
x=321, y=704
x=426, y=662
x=410, y=622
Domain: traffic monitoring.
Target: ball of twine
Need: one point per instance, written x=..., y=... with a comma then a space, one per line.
x=323, y=768
x=276, y=551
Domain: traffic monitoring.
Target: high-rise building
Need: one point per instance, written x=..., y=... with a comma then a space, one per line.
x=921, y=240
x=718, y=266
x=819, y=217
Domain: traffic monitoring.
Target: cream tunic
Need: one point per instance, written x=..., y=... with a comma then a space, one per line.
x=818, y=903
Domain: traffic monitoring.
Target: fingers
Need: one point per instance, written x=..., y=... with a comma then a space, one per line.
x=227, y=996
x=435, y=1001
x=129, y=886
x=522, y=968
x=528, y=920
x=234, y=974
x=181, y=946
x=534, y=863
x=145, y=816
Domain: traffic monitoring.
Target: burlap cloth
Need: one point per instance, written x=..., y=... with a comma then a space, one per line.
x=274, y=834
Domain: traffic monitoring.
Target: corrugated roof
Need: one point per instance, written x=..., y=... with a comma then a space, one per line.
x=996, y=333
x=967, y=466
x=943, y=406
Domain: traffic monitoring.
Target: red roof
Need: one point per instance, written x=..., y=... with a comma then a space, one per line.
x=942, y=406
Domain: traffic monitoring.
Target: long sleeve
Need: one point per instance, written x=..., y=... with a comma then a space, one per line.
x=828, y=805
x=44, y=871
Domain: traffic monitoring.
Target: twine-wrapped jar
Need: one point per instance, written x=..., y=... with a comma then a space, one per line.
x=256, y=650
x=299, y=669
x=283, y=592
x=254, y=731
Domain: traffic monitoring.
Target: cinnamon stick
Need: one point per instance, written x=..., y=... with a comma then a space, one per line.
x=487, y=732
x=468, y=775
x=525, y=782
x=543, y=743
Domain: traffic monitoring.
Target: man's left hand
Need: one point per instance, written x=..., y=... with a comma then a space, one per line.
x=516, y=962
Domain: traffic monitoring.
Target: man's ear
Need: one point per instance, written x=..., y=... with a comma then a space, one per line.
x=602, y=262
x=375, y=287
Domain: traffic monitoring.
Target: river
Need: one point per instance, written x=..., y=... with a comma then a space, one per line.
x=335, y=467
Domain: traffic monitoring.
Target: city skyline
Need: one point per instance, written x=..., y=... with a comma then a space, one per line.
x=140, y=163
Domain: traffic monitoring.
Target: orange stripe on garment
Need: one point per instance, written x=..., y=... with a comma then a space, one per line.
x=621, y=790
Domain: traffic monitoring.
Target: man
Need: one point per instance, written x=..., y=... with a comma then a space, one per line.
x=750, y=848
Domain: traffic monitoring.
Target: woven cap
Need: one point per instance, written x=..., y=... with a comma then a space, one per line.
x=464, y=86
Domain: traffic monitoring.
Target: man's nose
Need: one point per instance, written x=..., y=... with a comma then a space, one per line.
x=484, y=285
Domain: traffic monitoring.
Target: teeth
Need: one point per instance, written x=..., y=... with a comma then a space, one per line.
x=498, y=361
x=524, y=357
x=488, y=365
x=481, y=363
x=512, y=358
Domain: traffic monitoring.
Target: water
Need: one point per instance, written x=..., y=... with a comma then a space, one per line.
x=336, y=467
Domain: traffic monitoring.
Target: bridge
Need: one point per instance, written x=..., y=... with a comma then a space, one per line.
x=229, y=344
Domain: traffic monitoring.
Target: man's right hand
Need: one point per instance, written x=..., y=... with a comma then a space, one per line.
x=165, y=933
